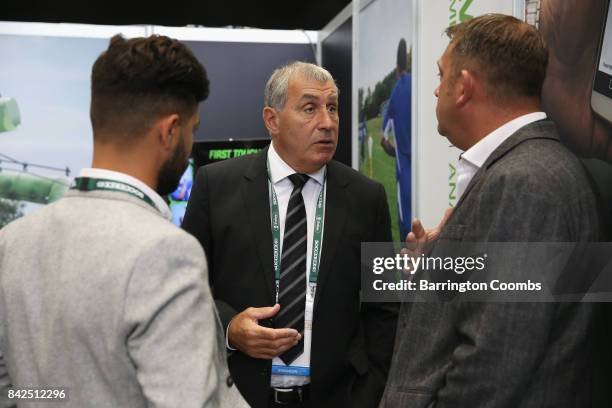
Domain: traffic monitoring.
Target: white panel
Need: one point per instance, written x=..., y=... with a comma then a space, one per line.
x=70, y=30
x=181, y=33
x=434, y=187
x=243, y=35
x=519, y=9
x=416, y=57
x=355, y=87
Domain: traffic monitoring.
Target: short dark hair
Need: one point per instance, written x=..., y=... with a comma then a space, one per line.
x=509, y=53
x=136, y=81
x=402, y=56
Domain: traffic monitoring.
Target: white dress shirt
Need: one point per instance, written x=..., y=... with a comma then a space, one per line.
x=159, y=202
x=472, y=159
x=279, y=173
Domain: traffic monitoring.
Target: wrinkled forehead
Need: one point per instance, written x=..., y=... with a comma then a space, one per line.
x=300, y=85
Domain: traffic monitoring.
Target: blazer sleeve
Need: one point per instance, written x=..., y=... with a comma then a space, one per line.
x=171, y=325
x=5, y=383
x=379, y=321
x=197, y=222
x=5, y=380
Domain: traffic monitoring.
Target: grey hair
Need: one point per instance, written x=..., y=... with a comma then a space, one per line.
x=275, y=94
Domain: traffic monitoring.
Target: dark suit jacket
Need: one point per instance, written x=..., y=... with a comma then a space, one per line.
x=229, y=213
x=469, y=354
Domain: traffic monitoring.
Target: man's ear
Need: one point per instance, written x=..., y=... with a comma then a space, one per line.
x=270, y=118
x=466, y=84
x=168, y=130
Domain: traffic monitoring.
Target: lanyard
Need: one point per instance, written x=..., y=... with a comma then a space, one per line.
x=317, y=239
x=91, y=184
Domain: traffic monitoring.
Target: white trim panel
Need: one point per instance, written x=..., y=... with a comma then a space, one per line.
x=355, y=89
x=243, y=35
x=70, y=30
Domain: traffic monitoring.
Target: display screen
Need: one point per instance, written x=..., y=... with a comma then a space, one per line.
x=603, y=76
x=202, y=154
x=179, y=198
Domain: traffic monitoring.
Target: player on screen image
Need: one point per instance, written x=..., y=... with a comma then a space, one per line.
x=397, y=115
x=184, y=188
x=363, y=135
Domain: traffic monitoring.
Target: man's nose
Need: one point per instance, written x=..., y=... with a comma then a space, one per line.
x=327, y=119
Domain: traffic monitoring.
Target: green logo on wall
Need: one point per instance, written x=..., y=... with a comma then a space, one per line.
x=452, y=185
x=460, y=16
x=456, y=17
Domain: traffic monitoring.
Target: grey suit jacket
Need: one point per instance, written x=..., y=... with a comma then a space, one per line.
x=102, y=296
x=462, y=354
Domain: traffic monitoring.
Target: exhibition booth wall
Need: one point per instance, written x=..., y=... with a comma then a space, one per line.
x=388, y=125
x=420, y=161
x=45, y=79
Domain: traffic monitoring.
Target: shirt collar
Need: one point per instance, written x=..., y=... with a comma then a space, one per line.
x=159, y=202
x=279, y=170
x=480, y=152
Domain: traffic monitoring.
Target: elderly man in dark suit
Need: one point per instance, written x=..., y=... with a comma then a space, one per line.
x=518, y=184
x=282, y=232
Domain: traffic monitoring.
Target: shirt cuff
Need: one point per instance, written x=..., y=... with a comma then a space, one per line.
x=227, y=337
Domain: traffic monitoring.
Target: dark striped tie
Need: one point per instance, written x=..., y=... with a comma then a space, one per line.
x=292, y=285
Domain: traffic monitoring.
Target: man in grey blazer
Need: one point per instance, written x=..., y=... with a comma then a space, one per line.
x=518, y=183
x=102, y=300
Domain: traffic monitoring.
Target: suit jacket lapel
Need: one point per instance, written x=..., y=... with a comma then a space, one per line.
x=257, y=204
x=542, y=129
x=336, y=203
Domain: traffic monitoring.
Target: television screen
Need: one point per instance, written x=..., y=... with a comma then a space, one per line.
x=177, y=200
x=203, y=153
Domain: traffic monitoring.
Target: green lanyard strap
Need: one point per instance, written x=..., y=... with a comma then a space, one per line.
x=91, y=184
x=317, y=239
